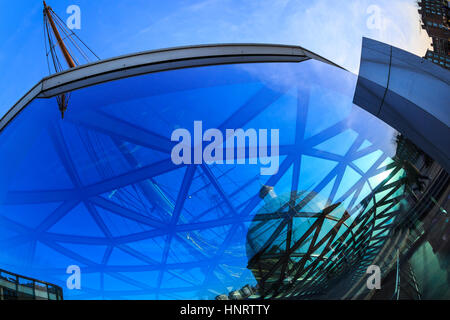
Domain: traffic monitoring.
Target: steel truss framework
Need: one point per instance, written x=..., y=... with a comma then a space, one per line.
x=355, y=248
x=130, y=195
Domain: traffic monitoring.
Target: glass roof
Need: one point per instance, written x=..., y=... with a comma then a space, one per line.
x=98, y=189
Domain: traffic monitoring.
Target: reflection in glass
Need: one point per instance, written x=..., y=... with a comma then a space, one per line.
x=98, y=189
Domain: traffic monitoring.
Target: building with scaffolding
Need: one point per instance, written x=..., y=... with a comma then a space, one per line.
x=357, y=184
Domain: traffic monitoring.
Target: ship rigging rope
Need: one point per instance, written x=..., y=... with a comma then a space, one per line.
x=75, y=46
x=74, y=34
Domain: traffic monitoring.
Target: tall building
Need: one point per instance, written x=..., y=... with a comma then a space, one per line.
x=435, y=18
x=16, y=287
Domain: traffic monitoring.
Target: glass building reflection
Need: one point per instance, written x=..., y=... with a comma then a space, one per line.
x=98, y=189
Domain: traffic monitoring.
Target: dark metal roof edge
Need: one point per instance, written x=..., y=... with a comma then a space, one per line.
x=166, y=59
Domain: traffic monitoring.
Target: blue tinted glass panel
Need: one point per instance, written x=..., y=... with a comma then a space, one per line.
x=98, y=189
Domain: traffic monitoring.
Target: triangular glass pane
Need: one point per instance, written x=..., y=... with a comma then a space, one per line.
x=364, y=145
x=348, y=180
x=313, y=171
x=30, y=215
x=121, y=258
x=92, y=252
x=78, y=222
x=366, y=162
x=325, y=109
x=339, y=144
x=121, y=226
x=40, y=163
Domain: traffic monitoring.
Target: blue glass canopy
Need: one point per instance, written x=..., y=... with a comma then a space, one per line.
x=99, y=190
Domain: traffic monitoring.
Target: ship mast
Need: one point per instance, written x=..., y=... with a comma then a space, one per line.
x=71, y=48
x=61, y=43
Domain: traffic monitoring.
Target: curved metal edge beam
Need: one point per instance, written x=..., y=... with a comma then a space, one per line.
x=156, y=61
x=408, y=93
x=74, y=81
x=22, y=103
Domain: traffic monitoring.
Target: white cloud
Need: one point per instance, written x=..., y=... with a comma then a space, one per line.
x=330, y=28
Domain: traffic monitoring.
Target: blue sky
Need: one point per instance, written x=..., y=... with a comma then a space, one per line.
x=331, y=28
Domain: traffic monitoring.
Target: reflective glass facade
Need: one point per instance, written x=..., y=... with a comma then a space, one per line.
x=99, y=190
x=16, y=287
